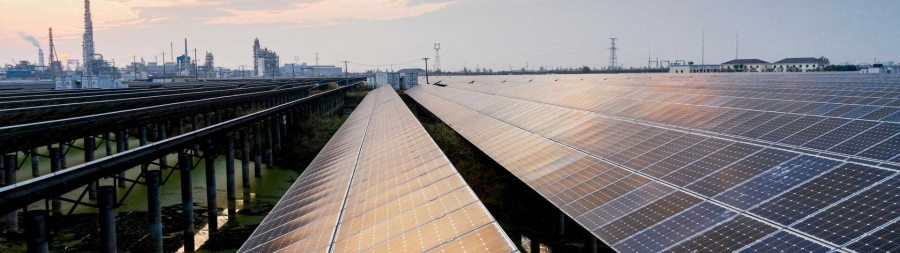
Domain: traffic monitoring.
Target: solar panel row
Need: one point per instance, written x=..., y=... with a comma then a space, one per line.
x=645, y=184
x=381, y=184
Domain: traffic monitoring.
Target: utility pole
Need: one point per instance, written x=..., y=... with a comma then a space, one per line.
x=703, y=47
x=164, y=65
x=426, y=70
x=317, y=58
x=196, y=66
x=736, y=43
x=613, y=64
x=346, y=73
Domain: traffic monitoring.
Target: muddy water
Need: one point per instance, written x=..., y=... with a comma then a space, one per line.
x=244, y=213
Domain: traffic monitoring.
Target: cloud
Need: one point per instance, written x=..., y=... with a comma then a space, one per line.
x=329, y=12
x=67, y=16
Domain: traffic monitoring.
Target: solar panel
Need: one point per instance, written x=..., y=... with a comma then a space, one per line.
x=380, y=184
x=652, y=163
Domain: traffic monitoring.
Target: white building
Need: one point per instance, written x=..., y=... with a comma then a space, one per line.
x=398, y=81
x=804, y=64
x=745, y=65
x=691, y=68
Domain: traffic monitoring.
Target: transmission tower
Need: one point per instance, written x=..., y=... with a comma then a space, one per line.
x=613, y=64
x=437, y=58
x=53, y=57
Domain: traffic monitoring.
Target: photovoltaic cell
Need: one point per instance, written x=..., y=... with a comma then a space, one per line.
x=775, y=181
x=836, y=136
x=818, y=193
x=882, y=240
x=785, y=242
x=644, y=134
x=868, y=138
x=380, y=184
x=667, y=233
x=726, y=237
x=855, y=216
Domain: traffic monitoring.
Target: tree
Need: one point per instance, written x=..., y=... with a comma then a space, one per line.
x=585, y=69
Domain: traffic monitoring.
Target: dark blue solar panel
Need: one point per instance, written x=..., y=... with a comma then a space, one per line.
x=884, y=150
x=801, y=137
x=861, y=111
x=776, y=181
x=841, y=134
x=868, y=138
x=740, y=171
x=626, y=204
x=886, y=239
x=792, y=128
x=820, y=192
x=726, y=237
x=893, y=117
x=785, y=242
x=824, y=109
x=669, y=232
x=857, y=215
x=880, y=113
x=841, y=110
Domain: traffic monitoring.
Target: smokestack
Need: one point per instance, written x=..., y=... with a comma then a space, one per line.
x=185, y=63
x=40, y=57
x=88, y=43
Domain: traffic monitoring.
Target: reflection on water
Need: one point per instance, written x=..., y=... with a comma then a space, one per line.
x=270, y=187
x=203, y=235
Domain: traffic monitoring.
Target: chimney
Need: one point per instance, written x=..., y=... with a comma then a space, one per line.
x=40, y=57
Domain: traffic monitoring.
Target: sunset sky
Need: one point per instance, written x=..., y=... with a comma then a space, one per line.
x=495, y=34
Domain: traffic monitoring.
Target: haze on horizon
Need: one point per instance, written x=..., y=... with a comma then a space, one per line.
x=496, y=34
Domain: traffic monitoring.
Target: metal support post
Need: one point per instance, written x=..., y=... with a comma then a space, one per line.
x=56, y=204
x=229, y=169
x=559, y=222
x=590, y=244
x=219, y=117
x=180, y=126
x=277, y=126
x=196, y=125
x=35, y=169
x=257, y=155
x=143, y=132
x=164, y=160
x=212, y=211
x=89, y=156
x=108, y=144
x=12, y=218
x=245, y=158
x=120, y=147
x=36, y=231
x=155, y=131
x=185, y=162
x=107, y=205
x=208, y=119
x=270, y=161
x=62, y=156
x=154, y=211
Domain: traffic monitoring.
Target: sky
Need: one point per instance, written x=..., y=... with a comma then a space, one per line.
x=496, y=34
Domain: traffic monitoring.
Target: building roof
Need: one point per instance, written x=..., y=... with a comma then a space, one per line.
x=746, y=61
x=798, y=60
x=415, y=70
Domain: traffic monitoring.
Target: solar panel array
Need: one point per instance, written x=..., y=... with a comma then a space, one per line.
x=715, y=163
x=380, y=184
